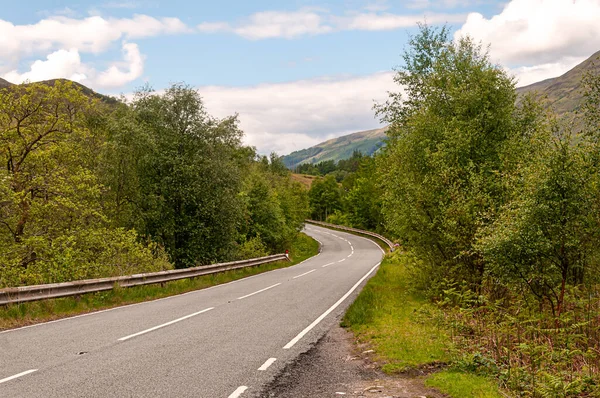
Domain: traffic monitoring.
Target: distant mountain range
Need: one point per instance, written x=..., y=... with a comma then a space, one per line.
x=367, y=142
x=563, y=94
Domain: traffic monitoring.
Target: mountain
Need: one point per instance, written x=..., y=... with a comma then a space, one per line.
x=339, y=148
x=85, y=90
x=564, y=94
x=4, y=83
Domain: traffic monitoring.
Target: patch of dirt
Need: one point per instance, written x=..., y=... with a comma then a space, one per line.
x=336, y=367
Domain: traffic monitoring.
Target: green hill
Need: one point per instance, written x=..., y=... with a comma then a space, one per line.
x=339, y=148
x=86, y=90
x=564, y=94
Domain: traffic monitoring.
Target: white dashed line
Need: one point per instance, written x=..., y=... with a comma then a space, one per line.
x=327, y=265
x=165, y=324
x=259, y=291
x=18, y=375
x=306, y=273
x=268, y=363
x=342, y=260
x=239, y=391
x=333, y=307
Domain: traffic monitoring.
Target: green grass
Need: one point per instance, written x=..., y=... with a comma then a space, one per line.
x=28, y=313
x=463, y=385
x=395, y=322
x=401, y=327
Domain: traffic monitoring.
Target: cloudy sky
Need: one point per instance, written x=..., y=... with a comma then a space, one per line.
x=297, y=72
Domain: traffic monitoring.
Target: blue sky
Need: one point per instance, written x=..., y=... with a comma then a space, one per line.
x=297, y=72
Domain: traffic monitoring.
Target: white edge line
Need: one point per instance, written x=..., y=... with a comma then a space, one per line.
x=239, y=391
x=267, y=363
x=165, y=324
x=333, y=307
x=327, y=265
x=259, y=291
x=17, y=375
x=306, y=273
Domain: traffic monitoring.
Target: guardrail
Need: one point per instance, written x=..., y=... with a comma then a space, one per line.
x=14, y=295
x=359, y=231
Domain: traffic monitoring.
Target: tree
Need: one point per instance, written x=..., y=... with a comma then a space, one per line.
x=325, y=197
x=189, y=177
x=448, y=134
x=53, y=225
x=546, y=237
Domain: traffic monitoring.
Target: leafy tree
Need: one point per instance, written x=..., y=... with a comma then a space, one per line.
x=188, y=176
x=448, y=135
x=363, y=200
x=54, y=227
x=325, y=197
x=546, y=237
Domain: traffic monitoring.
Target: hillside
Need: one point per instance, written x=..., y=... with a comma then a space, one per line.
x=339, y=148
x=564, y=93
x=86, y=90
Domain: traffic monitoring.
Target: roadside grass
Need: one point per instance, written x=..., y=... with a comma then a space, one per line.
x=402, y=328
x=395, y=321
x=458, y=384
x=18, y=315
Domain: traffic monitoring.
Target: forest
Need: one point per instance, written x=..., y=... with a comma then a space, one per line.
x=495, y=202
x=94, y=188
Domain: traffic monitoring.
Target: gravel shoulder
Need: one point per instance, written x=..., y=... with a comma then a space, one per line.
x=336, y=367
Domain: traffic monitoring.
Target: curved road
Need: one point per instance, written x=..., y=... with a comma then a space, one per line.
x=230, y=340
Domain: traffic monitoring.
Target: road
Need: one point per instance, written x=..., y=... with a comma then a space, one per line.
x=226, y=341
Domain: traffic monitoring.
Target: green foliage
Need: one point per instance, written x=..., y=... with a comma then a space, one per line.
x=53, y=225
x=448, y=135
x=93, y=190
x=325, y=198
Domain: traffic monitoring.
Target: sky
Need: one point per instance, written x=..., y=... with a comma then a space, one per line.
x=296, y=72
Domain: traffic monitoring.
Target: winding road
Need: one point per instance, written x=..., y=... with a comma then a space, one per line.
x=226, y=341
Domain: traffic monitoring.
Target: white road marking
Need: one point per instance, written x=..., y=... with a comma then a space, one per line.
x=259, y=291
x=239, y=391
x=165, y=324
x=327, y=265
x=306, y=273
x=17, y=375
x=268, y=363
x=342, y=260
x=333, y=307
x=350, y=255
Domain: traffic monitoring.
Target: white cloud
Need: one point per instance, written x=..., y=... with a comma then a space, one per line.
x=93, y=34
x=536, y=32
x=282, y=24
x=62, y=40
x=270, y=24
x=532, y=74
x=386, y=21
x=67, y=64
x=290, y=116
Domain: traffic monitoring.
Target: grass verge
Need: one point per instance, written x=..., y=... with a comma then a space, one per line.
x=40, y=311
x=401, y=327
x=458, y=384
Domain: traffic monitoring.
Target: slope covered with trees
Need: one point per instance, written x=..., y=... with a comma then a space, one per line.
x=495, y=202
x=91, y=188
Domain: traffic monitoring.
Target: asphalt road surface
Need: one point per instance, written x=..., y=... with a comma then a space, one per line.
x=226, y=341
